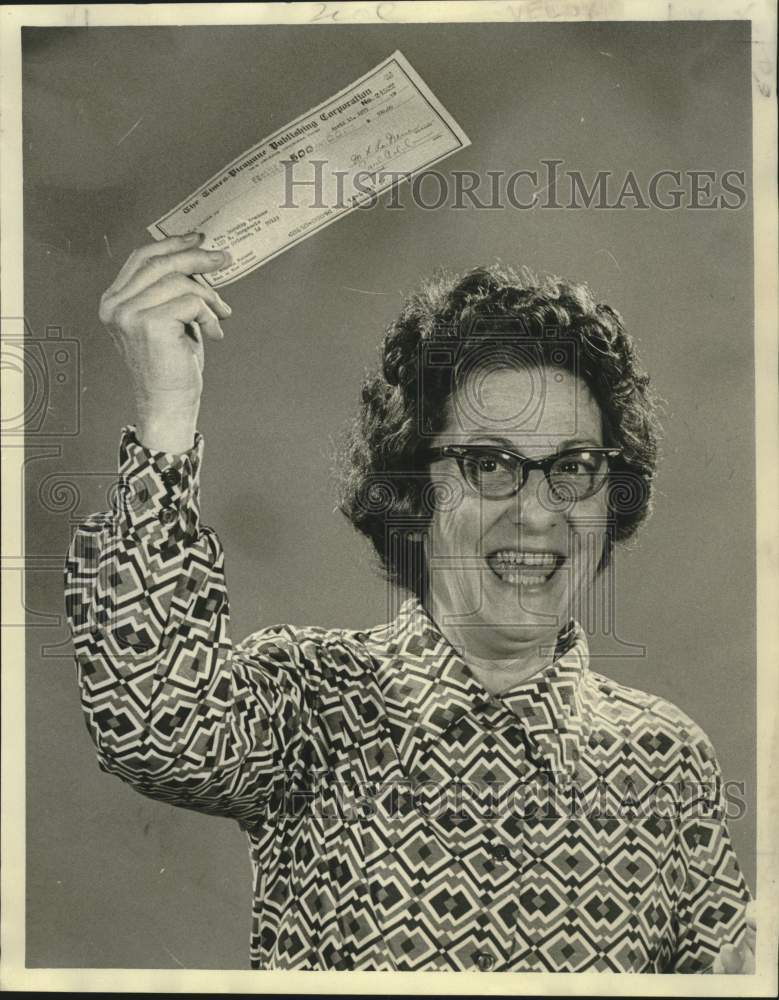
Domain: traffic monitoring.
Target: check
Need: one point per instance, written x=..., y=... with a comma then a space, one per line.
x=342, y=154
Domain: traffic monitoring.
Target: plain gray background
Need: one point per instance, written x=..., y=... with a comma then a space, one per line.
x=120, y=125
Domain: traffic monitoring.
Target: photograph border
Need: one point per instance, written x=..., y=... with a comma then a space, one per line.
x=762, y=15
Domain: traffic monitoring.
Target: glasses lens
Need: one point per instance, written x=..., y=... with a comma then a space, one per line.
x=491, y=475
x=578, y=475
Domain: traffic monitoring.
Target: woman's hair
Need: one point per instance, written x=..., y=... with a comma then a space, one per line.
x=455, y=327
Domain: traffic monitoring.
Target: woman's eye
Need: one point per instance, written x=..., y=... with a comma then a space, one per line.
x=577, y=466
x=487, y=465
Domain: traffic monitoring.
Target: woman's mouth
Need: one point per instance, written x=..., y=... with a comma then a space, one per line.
x=524, y=568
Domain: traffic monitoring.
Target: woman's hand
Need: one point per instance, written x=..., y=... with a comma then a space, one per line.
x=157, y=316
x=741, y=959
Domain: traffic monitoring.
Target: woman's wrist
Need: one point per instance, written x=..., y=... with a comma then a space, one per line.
x=172, y=431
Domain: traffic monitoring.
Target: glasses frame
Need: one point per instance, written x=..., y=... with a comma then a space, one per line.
x=526, y=465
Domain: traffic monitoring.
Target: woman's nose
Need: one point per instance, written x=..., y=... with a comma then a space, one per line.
x=534, y=506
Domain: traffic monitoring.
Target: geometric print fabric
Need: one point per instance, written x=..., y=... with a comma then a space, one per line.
x=398, y=815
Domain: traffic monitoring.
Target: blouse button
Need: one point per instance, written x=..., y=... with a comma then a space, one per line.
x=168, y=515
x=485, y=961
x=171, y=477
x=501, y=852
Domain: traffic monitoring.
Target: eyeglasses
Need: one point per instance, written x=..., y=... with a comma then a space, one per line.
x=497, y=473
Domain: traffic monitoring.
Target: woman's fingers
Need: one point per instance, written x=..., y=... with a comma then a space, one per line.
x=738, y=959
x=158, y=317
x=138, y=258
x=174, y=286
x=728, y=961
x=192, y=261
x=186, y=308
x=750, y=915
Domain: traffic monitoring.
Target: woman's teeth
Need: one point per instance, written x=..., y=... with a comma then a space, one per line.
x=526, y=568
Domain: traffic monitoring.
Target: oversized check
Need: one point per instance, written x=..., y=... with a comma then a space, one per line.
x=330, y=161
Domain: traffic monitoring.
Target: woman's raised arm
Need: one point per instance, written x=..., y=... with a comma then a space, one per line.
x=172, y=706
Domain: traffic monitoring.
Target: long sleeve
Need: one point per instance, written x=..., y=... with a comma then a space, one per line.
x=172, y=706
x=714, y=892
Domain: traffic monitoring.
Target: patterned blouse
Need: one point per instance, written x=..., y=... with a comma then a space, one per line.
x=398, y=815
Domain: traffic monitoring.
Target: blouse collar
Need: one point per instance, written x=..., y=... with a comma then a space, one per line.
x=428, y=686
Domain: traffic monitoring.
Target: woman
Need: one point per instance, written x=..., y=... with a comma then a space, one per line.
x=456, y=789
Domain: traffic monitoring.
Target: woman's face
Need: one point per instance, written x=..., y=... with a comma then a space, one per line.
x=505, y=575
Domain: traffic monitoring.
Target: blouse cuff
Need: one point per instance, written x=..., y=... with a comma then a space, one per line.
x=159, y=491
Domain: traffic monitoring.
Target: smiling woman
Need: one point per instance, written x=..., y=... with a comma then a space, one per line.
x=512, y=609
x=500, y=359
x=456, y=789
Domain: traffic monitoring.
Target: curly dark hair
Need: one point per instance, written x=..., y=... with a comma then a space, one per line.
x=457, y=324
